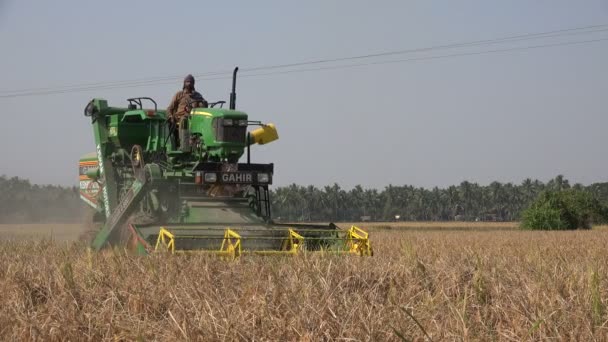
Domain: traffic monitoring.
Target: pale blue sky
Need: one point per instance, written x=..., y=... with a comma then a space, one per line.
x=507, y=116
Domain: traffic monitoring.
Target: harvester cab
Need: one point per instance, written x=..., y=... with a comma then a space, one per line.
x=151, y=193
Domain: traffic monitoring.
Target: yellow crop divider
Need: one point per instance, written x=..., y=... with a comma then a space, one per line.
x=166, y=239
x=231, y=245
x=357, y=242
x=293, y=243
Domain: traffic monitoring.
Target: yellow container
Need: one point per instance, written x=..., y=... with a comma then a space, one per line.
x=265, y=134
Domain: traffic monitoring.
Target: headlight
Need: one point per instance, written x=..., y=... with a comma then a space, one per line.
x=210, y=177
x=228, y=122
x=242, y=123
x=263, y=178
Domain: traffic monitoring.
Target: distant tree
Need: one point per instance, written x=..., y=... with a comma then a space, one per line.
x=22, y=202
x=558, y=183
x=565, y=209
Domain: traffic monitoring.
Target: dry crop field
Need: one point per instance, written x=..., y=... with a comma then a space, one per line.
x=463, y=281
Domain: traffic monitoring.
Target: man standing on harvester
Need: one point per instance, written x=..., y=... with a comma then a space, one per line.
x=181, y=104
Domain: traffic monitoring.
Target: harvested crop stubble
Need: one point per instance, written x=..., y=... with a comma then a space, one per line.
x=494, y=285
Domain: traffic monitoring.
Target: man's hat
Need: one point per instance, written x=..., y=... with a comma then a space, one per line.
x=189, y=78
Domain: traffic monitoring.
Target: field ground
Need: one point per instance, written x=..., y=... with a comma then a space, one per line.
x=70, y=232
x=450, y=281
x=57, y=231
x=451, y=225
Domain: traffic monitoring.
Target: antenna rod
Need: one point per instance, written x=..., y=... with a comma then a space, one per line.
x=233, y=94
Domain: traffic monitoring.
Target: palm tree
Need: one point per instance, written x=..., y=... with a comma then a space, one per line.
x=558, y=183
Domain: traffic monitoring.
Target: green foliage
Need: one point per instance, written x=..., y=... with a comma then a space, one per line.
x=467, y=201
x=565, y=209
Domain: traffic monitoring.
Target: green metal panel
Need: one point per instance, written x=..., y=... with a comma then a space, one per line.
x=104, y=150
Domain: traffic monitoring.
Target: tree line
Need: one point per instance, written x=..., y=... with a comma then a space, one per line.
x=21, y=201
x=467, y=201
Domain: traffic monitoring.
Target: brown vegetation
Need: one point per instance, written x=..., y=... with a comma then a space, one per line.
x=477, y=285
x=435, y=225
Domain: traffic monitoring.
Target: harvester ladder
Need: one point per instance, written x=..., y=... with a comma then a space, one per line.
x=120, y=214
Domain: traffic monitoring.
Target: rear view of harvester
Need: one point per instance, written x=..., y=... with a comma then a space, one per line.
x=154, y=189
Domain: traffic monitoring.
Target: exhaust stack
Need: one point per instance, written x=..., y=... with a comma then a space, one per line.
x=233, y=94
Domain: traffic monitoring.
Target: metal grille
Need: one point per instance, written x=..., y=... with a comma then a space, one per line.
x=233, y=134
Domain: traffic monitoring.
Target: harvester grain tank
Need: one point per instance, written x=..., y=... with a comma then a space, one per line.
x=154, y=193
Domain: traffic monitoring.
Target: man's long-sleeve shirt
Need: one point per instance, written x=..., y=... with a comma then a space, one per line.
x=179, y=104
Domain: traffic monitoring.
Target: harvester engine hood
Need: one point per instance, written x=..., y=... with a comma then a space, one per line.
x=222, y=133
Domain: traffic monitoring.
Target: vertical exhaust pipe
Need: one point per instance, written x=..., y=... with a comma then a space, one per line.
x=233, y=94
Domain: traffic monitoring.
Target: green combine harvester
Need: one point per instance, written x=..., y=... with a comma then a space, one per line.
x=153, y=189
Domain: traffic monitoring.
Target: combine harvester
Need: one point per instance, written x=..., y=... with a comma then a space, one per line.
x=151, y=192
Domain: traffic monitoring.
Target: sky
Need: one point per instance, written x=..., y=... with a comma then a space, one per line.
x=426, y=122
